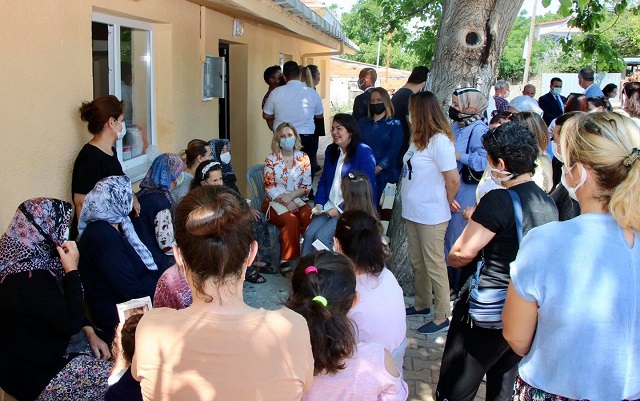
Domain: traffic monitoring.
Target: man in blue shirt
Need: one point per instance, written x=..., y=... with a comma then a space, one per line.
x=585, y=80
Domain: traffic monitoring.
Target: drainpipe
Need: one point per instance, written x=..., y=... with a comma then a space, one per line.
x=338, y=52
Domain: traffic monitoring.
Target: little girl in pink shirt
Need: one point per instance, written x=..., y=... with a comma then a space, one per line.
x=323, y=292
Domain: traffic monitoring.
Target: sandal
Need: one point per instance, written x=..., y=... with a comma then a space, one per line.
x=254, y=277
x=268, y=269
x=286, y=269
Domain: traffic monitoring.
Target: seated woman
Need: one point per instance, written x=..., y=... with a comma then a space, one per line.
x=220, y=347
x=154, y=225
x=210, y=173
x=221, y=152
x=345, y=368
x=287, y=181
x=347, y=154
x=197, y=151
x=384, y=135
x=41, y=307
x=379, y=313
x=115, y=265
x=356, y=191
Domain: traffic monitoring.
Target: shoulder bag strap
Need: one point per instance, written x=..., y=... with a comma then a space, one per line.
x=469, y=140
x=517, y=208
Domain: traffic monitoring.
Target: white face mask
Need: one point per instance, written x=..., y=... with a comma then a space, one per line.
x=225, y=157
x=556, y=151
x=572, y=191
x=500, y=180
x=122, y=132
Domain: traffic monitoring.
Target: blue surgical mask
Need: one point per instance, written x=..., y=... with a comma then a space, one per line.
x=557, y=91
x=288, y=143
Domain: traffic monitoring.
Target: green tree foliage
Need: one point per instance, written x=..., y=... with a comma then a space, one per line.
x=611, y=31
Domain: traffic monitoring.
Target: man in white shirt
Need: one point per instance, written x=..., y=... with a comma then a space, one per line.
x=297, y=104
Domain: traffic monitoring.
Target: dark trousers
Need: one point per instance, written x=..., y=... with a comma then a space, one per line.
x=469, y=354
x=310, y=147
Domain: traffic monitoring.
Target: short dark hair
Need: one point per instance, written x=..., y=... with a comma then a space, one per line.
x=332, y=332
x=270, y=72
x=576, y=102
x=214, y=232
x=361, y=240
x=514, y=144
x=350, y=124
x=596, y=101
x=565, y=117
x=555, y=79
x=418, y=75
x=586, y=73
x=291, y=69
x=608, y=88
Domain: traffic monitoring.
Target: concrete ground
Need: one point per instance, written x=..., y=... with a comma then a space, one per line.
x=422, y=357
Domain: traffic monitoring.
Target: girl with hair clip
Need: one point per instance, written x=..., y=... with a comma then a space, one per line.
x=197, y=151
x=572, y=304
x=219, y=347
x=357, y=194
x=379, y=314
x=323, y=292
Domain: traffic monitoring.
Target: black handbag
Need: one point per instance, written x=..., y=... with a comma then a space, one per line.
x=470, y=176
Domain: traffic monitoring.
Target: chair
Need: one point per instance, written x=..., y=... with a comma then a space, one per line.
x=255, y=178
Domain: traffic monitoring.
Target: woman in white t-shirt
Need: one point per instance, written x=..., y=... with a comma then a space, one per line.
x=430, y=180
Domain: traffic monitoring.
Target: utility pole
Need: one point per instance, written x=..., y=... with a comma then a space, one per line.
x=527, y=63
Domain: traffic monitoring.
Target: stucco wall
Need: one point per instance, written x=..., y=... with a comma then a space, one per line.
x=46, y=72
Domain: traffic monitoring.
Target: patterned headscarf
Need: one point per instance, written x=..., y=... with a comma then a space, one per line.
x=39, y=225
x=228, y=176
x=165, y=169
x=472, y=103
x=111, y=200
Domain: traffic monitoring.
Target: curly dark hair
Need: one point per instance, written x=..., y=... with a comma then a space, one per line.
x=333, y=334
x=515, y=145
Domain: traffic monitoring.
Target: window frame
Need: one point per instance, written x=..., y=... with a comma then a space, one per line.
x=136, y=167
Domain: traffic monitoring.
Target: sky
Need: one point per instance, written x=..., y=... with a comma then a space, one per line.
x=527, y=5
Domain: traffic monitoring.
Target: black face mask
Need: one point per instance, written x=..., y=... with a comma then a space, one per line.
x=454, y=114
x=281, y=80
x=377, y=108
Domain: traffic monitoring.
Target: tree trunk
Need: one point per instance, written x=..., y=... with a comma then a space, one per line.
x=469, y=45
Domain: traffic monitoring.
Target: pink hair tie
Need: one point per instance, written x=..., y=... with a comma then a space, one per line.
x=310, y=269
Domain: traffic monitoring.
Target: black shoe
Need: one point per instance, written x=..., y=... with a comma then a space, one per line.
x=412, y=311
x=432, y=328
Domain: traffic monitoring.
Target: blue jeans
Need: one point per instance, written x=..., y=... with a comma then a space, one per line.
x=322, y=227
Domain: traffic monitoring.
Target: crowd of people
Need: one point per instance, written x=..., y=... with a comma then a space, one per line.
x=522, y=212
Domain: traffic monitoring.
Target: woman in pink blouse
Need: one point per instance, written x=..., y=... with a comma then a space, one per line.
x=287, y=181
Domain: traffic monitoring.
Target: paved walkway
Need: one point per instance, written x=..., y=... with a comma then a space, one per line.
x=422, y=357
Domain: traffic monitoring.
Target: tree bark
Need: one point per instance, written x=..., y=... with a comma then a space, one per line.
x=471, y=39
x=469, y=45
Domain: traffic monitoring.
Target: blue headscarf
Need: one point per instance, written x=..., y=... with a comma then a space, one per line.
x=111, y=201
x=165, y=169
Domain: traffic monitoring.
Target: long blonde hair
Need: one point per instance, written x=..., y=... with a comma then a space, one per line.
x=608, y=144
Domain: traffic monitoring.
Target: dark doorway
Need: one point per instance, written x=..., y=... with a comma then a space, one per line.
x=224, y=117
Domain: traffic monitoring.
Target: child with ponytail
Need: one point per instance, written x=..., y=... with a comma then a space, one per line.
x=323, y=292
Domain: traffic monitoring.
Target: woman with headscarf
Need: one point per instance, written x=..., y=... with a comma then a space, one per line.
x=221, y=152
x=154, y=225
x=115, y=265
x=468, y=106
x=41, y=307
